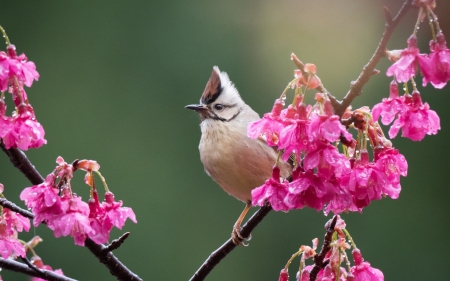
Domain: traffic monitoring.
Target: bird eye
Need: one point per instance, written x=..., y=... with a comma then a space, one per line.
x=218, y=106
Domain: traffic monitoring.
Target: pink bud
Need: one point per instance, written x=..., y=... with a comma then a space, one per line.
x=284, y=275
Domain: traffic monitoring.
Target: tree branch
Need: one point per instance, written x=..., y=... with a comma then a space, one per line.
x=22, y=268
x=319, y=262
x=116, y=268
x=229, y=246
x=13, y=207
x=368, y=69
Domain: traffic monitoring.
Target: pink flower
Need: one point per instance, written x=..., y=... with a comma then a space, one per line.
x=407, y=65
x=295, y=137
x=389, y=108
x=362, y=271
x=417, y=121
x=74, y=221
x=343, y=200
x=15, y=221
x=436, y=68
x=24, y=70
x=273, y=191
x=4, y=72
x=328, y=161
x=100, y=223
x=328, y=274
x=9, y=245
x=115, y=213
x=310, y=79
x=284, y=275
x=327, y=127
x=64, y=170
x=44, y=201
x=24, y=130
x=366, y=182
x=309, y=190
x=269, y=126
x=393, y=164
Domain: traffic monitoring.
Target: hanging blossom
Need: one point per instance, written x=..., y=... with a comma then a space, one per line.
x=406, y=66
x=436, y=67
x=269, y=126
x=10, y=224
x=417, y=120
x=332, y=270
x=66, y=214
x=21, y=130
x=273, y=191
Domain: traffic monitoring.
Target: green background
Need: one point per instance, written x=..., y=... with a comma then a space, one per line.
x=115, y=77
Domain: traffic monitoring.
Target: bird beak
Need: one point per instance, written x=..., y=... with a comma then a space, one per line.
x=197, y=107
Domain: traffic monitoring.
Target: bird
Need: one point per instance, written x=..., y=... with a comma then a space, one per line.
x=234, y=161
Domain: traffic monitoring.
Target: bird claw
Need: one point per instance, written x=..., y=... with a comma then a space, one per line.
x=237, y=237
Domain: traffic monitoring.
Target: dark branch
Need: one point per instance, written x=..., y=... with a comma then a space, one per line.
x=32, y=271
x=226, y=248
x=319, y=262
x=356, y=86
x=13, y=207
x=116, y=268
x=21, y=162
x=116, y=243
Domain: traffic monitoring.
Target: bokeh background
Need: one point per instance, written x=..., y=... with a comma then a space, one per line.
x=115, y=77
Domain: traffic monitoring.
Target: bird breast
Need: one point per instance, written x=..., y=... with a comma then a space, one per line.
x=237, y=163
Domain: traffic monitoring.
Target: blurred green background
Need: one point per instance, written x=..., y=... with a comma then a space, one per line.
x=115, y=76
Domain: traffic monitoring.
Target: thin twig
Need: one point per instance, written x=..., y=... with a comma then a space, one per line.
x=116, y=268
x=16, y=266
x=364, y=77
x=116, y=243
x=319, y=262
x=226, y=248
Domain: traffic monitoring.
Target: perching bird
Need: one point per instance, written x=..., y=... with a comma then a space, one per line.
x=236, y=162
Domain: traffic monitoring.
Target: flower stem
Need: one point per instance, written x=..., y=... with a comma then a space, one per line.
x=5, y=36
x=416, y=26
x=349, y=238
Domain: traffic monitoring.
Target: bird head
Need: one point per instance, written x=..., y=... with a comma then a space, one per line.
x=220, y=100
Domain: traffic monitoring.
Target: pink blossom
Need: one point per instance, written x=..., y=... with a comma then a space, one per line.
x=24, y=70
x=15, y=221
x=115, y=213
x=269, y=126
x=436, y=67
x=101, y=225
x=366, y=181
x=294, y=137
x=328, y=274
x=64, y=170
x=272, y=191
x=343, y=200
x=9, y=245
x=328, y=161
x=24, y=130
x=284, y=275
x=393, y=164
x=417, y=121
x=407, y=65
x=44, y=201
x=327, y=127
x=74, y=221
x=390, y=107
x=310, y=79
x=4, y=72
x=309, y=190
x=362, y=271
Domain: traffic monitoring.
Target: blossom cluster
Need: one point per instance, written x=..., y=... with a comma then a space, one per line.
x=11, y=223
x=325, y=178
x=54, y=203
x=21, y=129
x=360, y=271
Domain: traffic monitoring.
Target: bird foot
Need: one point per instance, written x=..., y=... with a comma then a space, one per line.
x=237, y=237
